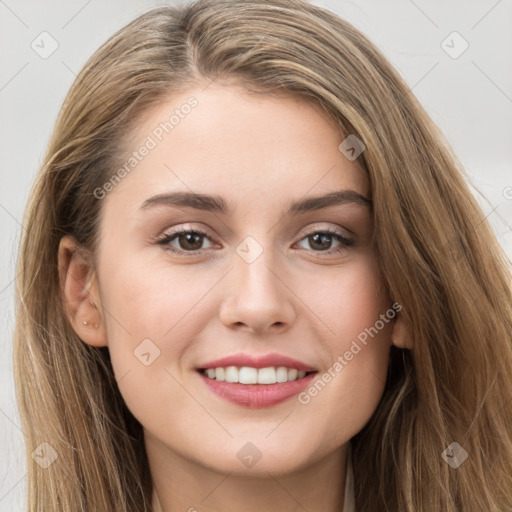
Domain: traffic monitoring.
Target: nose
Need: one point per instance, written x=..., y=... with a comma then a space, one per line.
x=257, y=299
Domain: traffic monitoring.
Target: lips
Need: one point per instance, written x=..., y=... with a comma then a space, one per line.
x=257, y=395
x=273, y=359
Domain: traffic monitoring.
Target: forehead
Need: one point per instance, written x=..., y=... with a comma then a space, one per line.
x=226, y=141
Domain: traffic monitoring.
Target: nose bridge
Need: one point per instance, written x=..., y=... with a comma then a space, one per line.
x=257, y=282
x=257, y=297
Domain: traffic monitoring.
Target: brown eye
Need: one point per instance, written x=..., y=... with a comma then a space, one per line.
x=321, y=241
x=184, y=240
x=190, y=241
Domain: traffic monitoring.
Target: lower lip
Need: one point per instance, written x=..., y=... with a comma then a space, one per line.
x=257, y=396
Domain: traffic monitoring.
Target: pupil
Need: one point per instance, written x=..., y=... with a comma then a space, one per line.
x=189, y=237
x=317, y=236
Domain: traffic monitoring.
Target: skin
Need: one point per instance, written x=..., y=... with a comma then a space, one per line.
x=259, y=153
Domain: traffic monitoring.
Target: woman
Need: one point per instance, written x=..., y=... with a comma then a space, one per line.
x=253, y=276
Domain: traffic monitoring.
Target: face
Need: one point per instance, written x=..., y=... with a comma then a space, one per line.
x=184, y=281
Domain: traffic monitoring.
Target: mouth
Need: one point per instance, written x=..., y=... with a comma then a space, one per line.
x=254, y=381
x=247, y=375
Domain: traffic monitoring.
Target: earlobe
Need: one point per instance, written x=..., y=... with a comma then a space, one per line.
x=401, y=335
x=80, y=293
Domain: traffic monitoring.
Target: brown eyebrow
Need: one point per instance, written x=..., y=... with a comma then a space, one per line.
x=338, y=197
x=217, y=204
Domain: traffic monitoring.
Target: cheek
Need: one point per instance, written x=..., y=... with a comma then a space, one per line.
x=352, y=302
x=153, y=299
x=350, y=387
x=151, y=314
x=364, y=331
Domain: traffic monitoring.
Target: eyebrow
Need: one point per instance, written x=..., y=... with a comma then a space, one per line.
x=217, y=204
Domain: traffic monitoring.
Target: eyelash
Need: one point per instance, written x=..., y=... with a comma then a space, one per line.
x=168, y=237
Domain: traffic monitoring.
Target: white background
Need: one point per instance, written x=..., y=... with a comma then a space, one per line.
x=469, y=98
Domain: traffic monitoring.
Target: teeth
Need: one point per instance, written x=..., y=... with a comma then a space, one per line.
x=267, y=375
x=292, y=373
x=282, y=374
x=231, y=374
x=249, y=375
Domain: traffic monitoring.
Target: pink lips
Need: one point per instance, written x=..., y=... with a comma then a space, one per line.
x=257, y=395
x=265, y=361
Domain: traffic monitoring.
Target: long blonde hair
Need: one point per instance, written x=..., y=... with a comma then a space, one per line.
x=439, y=258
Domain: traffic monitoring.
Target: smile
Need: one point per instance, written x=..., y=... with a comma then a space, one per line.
x=250, y=375
x=253, y=381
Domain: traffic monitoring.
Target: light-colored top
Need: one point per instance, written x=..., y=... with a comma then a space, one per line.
x=348, y=504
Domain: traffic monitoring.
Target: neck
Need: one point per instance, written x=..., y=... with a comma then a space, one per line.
x=184, y=485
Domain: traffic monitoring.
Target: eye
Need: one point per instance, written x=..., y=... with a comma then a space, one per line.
x=182, y=241
x=188, y=240
x=321, y=241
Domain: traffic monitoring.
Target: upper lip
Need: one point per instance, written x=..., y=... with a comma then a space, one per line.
x=264, y=361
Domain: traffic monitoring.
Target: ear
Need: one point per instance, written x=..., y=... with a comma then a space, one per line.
x=400, y=334
x=79, y=288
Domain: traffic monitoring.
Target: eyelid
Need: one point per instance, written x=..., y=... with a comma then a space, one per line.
x=186, y=227
x=311, y=228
